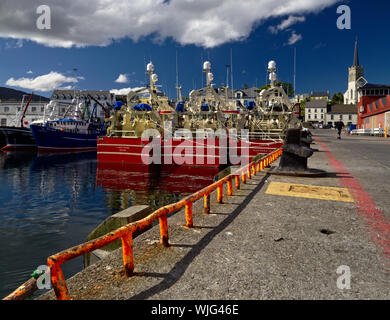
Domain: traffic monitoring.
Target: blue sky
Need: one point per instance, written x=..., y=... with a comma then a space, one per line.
x=324, y=54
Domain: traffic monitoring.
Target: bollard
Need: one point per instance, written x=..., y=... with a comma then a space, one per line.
x=296, y=151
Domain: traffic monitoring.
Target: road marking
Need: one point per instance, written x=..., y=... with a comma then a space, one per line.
x=379, y=226
x=309, y=191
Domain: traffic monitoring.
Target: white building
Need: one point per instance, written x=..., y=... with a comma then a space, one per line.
x=348, y=114
x=11, y=111
x=315, y=111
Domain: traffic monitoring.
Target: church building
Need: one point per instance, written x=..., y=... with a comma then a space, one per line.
x=355, y=79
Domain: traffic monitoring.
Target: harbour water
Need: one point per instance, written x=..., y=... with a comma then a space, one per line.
x=52, y=202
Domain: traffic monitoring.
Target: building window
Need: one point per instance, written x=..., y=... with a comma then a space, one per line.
x=322, y=116
x=3, y=122
x=315, y=116
x=42, y=109
x=33, y=109
x=350, y=117
x=315, y=110
x=309, y=116
x=332, y=117
x=6, y=109
x=309, y=110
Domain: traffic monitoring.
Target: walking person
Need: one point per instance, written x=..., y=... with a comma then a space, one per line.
x=339, y=126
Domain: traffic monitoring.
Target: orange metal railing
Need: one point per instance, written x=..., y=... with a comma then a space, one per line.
x=126, y=233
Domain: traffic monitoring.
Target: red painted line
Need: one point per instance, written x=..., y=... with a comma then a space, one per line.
x=379, y=226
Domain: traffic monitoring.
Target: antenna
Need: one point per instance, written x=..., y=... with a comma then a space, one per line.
x=145, y=72
x=177, y=78
x=231, y=70
x=295, y=70
x=201, y=58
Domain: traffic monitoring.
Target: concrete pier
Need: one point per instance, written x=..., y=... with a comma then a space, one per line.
x=264, y=245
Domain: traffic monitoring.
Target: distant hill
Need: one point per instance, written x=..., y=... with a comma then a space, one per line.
x=11, y=94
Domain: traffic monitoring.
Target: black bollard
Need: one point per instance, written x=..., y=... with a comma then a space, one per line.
x=296, y=152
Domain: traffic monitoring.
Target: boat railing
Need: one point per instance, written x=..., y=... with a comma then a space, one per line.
x=125, y=233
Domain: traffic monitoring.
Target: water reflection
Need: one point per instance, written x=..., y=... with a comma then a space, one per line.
x=126, y=185
x=51, y=202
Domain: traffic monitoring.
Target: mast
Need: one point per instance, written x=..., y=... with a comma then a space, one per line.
x=231, y=70
x=295, y=70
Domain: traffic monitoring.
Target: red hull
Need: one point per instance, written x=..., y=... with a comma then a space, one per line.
x=199, y=152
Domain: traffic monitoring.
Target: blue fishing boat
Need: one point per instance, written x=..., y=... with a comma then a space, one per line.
x=69, y=133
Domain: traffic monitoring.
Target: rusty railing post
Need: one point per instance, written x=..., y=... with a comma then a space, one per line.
x=237, y=178
x=127, y=252
x=230, y=187
x=243, y=175
x=207, y=204
x=58, y=280
x=188, y=211
x=220, y=193
x=163, y=220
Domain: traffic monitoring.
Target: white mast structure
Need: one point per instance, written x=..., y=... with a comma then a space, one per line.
x=272, y=72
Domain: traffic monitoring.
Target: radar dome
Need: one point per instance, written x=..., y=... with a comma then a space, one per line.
x=154, y=77
x=150, y=67
x=207, y=65
x=272, y=65
x=272, y=76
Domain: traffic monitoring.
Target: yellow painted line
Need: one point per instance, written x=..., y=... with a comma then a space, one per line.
x=309, y=191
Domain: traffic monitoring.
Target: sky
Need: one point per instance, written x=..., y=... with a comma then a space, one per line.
x=110, y=42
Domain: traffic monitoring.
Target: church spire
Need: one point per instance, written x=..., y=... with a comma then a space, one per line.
x=356, y=56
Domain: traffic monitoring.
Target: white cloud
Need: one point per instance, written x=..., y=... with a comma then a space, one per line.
x=294, y=38
x=125, y=91
x=44, y=83
x=291, y=20
x=122, y=79
x=29, y=72
x=206, y=23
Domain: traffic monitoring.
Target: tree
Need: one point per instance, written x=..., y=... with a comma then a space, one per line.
x=338, y=98
x=287, y=87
